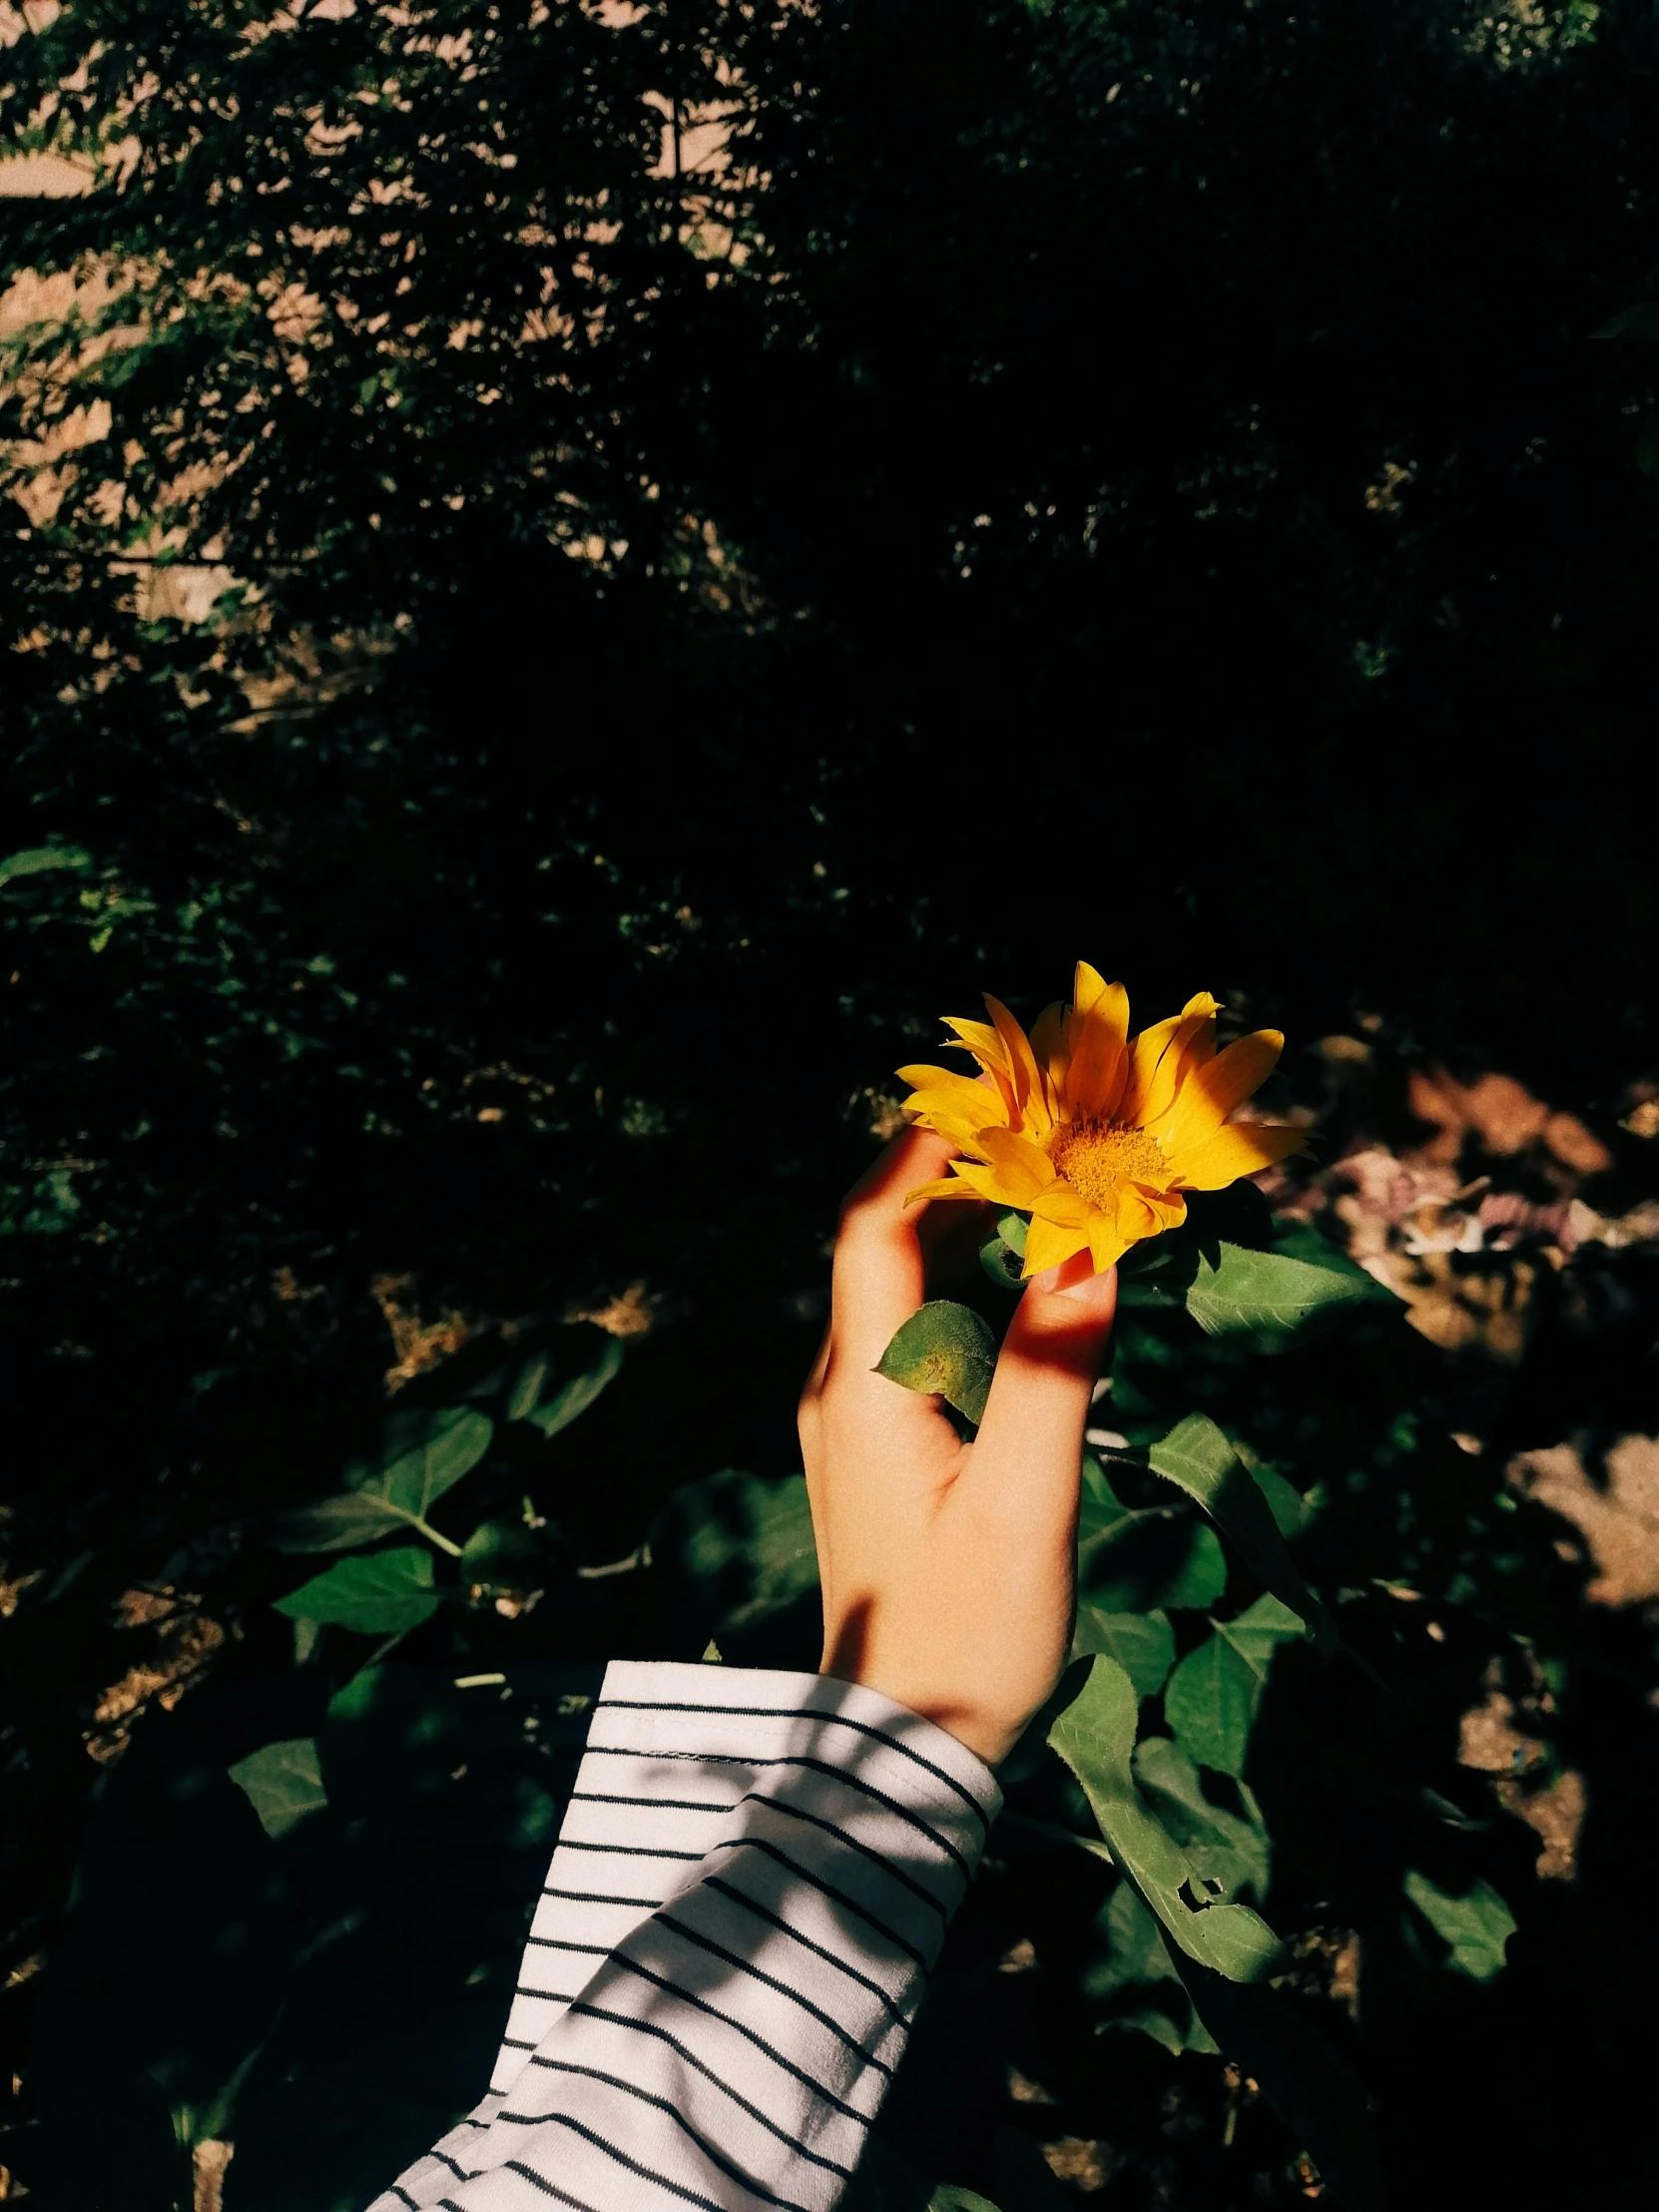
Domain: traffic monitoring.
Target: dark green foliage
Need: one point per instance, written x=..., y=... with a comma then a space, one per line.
x=1084, y=479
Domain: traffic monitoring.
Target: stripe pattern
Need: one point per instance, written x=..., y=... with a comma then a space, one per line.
x=754, y=1875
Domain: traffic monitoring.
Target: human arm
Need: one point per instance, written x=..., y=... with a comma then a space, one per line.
x=756, y=1869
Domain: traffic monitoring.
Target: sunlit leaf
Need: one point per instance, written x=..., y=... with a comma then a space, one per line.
x=1095, y=1736
x=1268, y=1294
x=1143, y=1644
x=382, y=1593
x=1224, y=1846
x=1475, y=1926
x=1211, y=1702
x=945, y=1348
x=1213, y=1694
x=283, y=1783
x=1198, y=1456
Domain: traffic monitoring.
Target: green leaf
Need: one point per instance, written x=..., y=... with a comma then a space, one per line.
x=1198, y=1456
x=1224, y=1846
x=1001, y=1263
x=1476, y=1926
x=1146, y=2019
x=945, y=1348
x=503, y=1555
x=1142, y=1559
x=1313, y=2088
x=283, y=1783
x=1640, y=320
x=1143, y=1644
x=1012, y=1229
x=38, y=858
x=527, y=1386
x=1211, y=1702
x=579, y=1392
x=1291, y=1510
x=949, y=2196
x=381, y=1593
x=1135, y=1955
x=399, y=1496
x=1214, y=1693
x=1095, y=1736
x=458, y=1438
x=739, y=1560
x=1268, y=1294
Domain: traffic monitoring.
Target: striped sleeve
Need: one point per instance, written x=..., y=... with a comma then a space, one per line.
x=753, y=1879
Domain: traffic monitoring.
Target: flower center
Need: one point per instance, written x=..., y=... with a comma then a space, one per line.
x=1096, y=1156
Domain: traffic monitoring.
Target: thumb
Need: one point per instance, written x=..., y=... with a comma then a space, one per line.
x=1044, y=1379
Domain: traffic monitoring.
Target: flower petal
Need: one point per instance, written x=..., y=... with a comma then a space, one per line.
x=1087, y=985
x=1106, y=1247
x=922, y=1077
x=1099, y=1057
x=975, y=1103
x=1017, y=1161
x=1030, y=1108
x=986, y=1046
x=1047, y=1245
x=1063, y=1206
x=1193, y=1046
x=1051, y=1053
x=1137, y=1214
x=1211, y=1093
x=1144, y=1055
x=1238, y=1148
x=947, y=1187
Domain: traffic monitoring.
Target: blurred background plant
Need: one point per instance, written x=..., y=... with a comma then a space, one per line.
x=574, y=574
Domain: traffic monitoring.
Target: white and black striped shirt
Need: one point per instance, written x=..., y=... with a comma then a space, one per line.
x=754, y=1875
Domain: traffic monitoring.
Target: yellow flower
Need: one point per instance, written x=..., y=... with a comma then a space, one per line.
x=1095, y=1134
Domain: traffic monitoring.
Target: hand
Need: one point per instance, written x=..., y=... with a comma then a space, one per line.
x=947, y=1567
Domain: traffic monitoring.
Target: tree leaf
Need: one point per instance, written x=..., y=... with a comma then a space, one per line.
x=739, y=1562
x=458, y=1437
x=1476, y=1926
x=1095, y=1736
x=1146, y=2019
x=1312, y=2086
x=1198, y=1456
x=1214, y=1693
x=283, y=1783
x=1223, y=1847
x=1143, y=1644
x=503, y=1555
x=1211, y=1702
x=397, y=1496
x=1291, y=1510
x=945, y=1348
x=36, y=860
x=1268, y=1294
x=1001, y=1263
x=1142, y=1559
x=579, y=1392
x=381, y=1593
x=527, y=1386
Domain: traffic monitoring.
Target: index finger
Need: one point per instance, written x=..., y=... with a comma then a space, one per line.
x=878, y=1279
